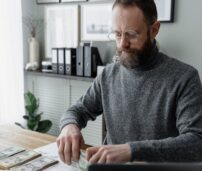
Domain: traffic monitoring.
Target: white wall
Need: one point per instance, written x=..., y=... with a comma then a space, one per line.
x=183, y=38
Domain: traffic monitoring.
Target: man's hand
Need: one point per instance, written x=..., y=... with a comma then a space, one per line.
x=69, y=143
x=109, y=154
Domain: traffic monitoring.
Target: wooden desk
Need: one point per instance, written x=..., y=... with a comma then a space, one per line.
x=12, y=135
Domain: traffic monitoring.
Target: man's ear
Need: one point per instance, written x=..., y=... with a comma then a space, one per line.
x=155, y=29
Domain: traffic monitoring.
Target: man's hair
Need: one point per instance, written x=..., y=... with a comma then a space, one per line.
x=148, y=8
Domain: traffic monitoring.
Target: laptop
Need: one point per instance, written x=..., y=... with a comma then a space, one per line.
x=147, y=167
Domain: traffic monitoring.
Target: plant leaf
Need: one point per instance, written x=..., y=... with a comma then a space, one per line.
x=38, y=117
x=31, y=103
x=32, y=123
x=20, y=125
x=40, y=113
x=26, y=117
x=44, y=126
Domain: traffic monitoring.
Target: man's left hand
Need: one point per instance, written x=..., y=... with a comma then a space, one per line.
x=109, y=154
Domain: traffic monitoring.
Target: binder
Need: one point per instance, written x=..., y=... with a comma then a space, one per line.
x=91, y=61
x=61, y=61
x=67, y=62
x=70, y=61
x=54, y=52
x=80, y=61
x=87, y=61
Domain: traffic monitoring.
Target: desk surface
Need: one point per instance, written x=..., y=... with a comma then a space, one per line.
x=12, y=135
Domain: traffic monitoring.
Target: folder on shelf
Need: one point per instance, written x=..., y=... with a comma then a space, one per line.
x=80, y=61
x=70, y=61
x=61, y=61
x=91, y=61
x=55, y=60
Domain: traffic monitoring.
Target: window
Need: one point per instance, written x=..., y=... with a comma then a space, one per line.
x=11, y=62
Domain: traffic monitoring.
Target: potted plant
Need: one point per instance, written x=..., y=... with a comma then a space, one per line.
x=32, y=116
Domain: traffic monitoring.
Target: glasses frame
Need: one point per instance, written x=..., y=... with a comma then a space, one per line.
x=128, y=35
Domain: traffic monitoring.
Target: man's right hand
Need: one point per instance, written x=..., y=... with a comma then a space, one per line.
x=69, y=143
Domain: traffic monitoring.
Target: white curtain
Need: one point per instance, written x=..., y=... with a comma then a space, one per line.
x=11, y=62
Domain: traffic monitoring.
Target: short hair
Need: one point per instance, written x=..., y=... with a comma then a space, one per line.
x=148, y=8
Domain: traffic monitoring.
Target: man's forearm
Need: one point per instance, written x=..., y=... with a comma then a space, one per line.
x=77, y=114
x=186, y=147
x=71, y=117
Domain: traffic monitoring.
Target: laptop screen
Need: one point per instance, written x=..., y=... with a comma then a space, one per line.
x=147, y=167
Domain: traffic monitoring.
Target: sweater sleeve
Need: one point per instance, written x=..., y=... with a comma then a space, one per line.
x=187, y=146
x=88, y=107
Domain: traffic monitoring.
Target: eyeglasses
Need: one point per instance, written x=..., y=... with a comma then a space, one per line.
x=129, y=35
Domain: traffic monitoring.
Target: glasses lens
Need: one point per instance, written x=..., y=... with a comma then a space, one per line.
x=131, y=34
x=112, y=36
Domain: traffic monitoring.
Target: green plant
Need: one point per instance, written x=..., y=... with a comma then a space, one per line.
x=32, y=116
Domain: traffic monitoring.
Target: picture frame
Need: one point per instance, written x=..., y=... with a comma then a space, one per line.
x=47, y=1
x=61, y=27
x=165, y=10
x=62, y=1
x=96, y=27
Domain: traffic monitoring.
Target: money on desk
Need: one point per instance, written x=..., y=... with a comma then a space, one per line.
x=82, y=164
x=18, y=159
x=36, y=164
x=7, y=152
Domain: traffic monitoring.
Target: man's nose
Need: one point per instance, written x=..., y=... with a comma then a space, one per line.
x=124, y=43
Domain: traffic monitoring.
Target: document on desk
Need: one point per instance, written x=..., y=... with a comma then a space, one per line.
x=51, y=150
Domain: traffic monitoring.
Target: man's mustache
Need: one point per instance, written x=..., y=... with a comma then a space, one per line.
x=120, y=51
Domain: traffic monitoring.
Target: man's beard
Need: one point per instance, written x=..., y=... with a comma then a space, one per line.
x=132, y=58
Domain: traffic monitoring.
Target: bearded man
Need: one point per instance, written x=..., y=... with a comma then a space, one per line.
x=152, y=103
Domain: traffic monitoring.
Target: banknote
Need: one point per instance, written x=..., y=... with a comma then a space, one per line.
x=82, y=164
x=36, y=164
x=18, y=159
x=10, y=151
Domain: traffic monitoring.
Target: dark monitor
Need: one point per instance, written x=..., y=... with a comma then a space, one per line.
x=147, y=167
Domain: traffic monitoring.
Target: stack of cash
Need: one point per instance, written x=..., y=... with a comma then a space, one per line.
x=82, y=164
x=7, y=152
x=18, y=159
x=36, y=165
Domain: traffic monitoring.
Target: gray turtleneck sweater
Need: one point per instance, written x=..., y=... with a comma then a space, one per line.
x=156, y=108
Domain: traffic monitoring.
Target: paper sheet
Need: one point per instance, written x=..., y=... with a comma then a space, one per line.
x=51, y=150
